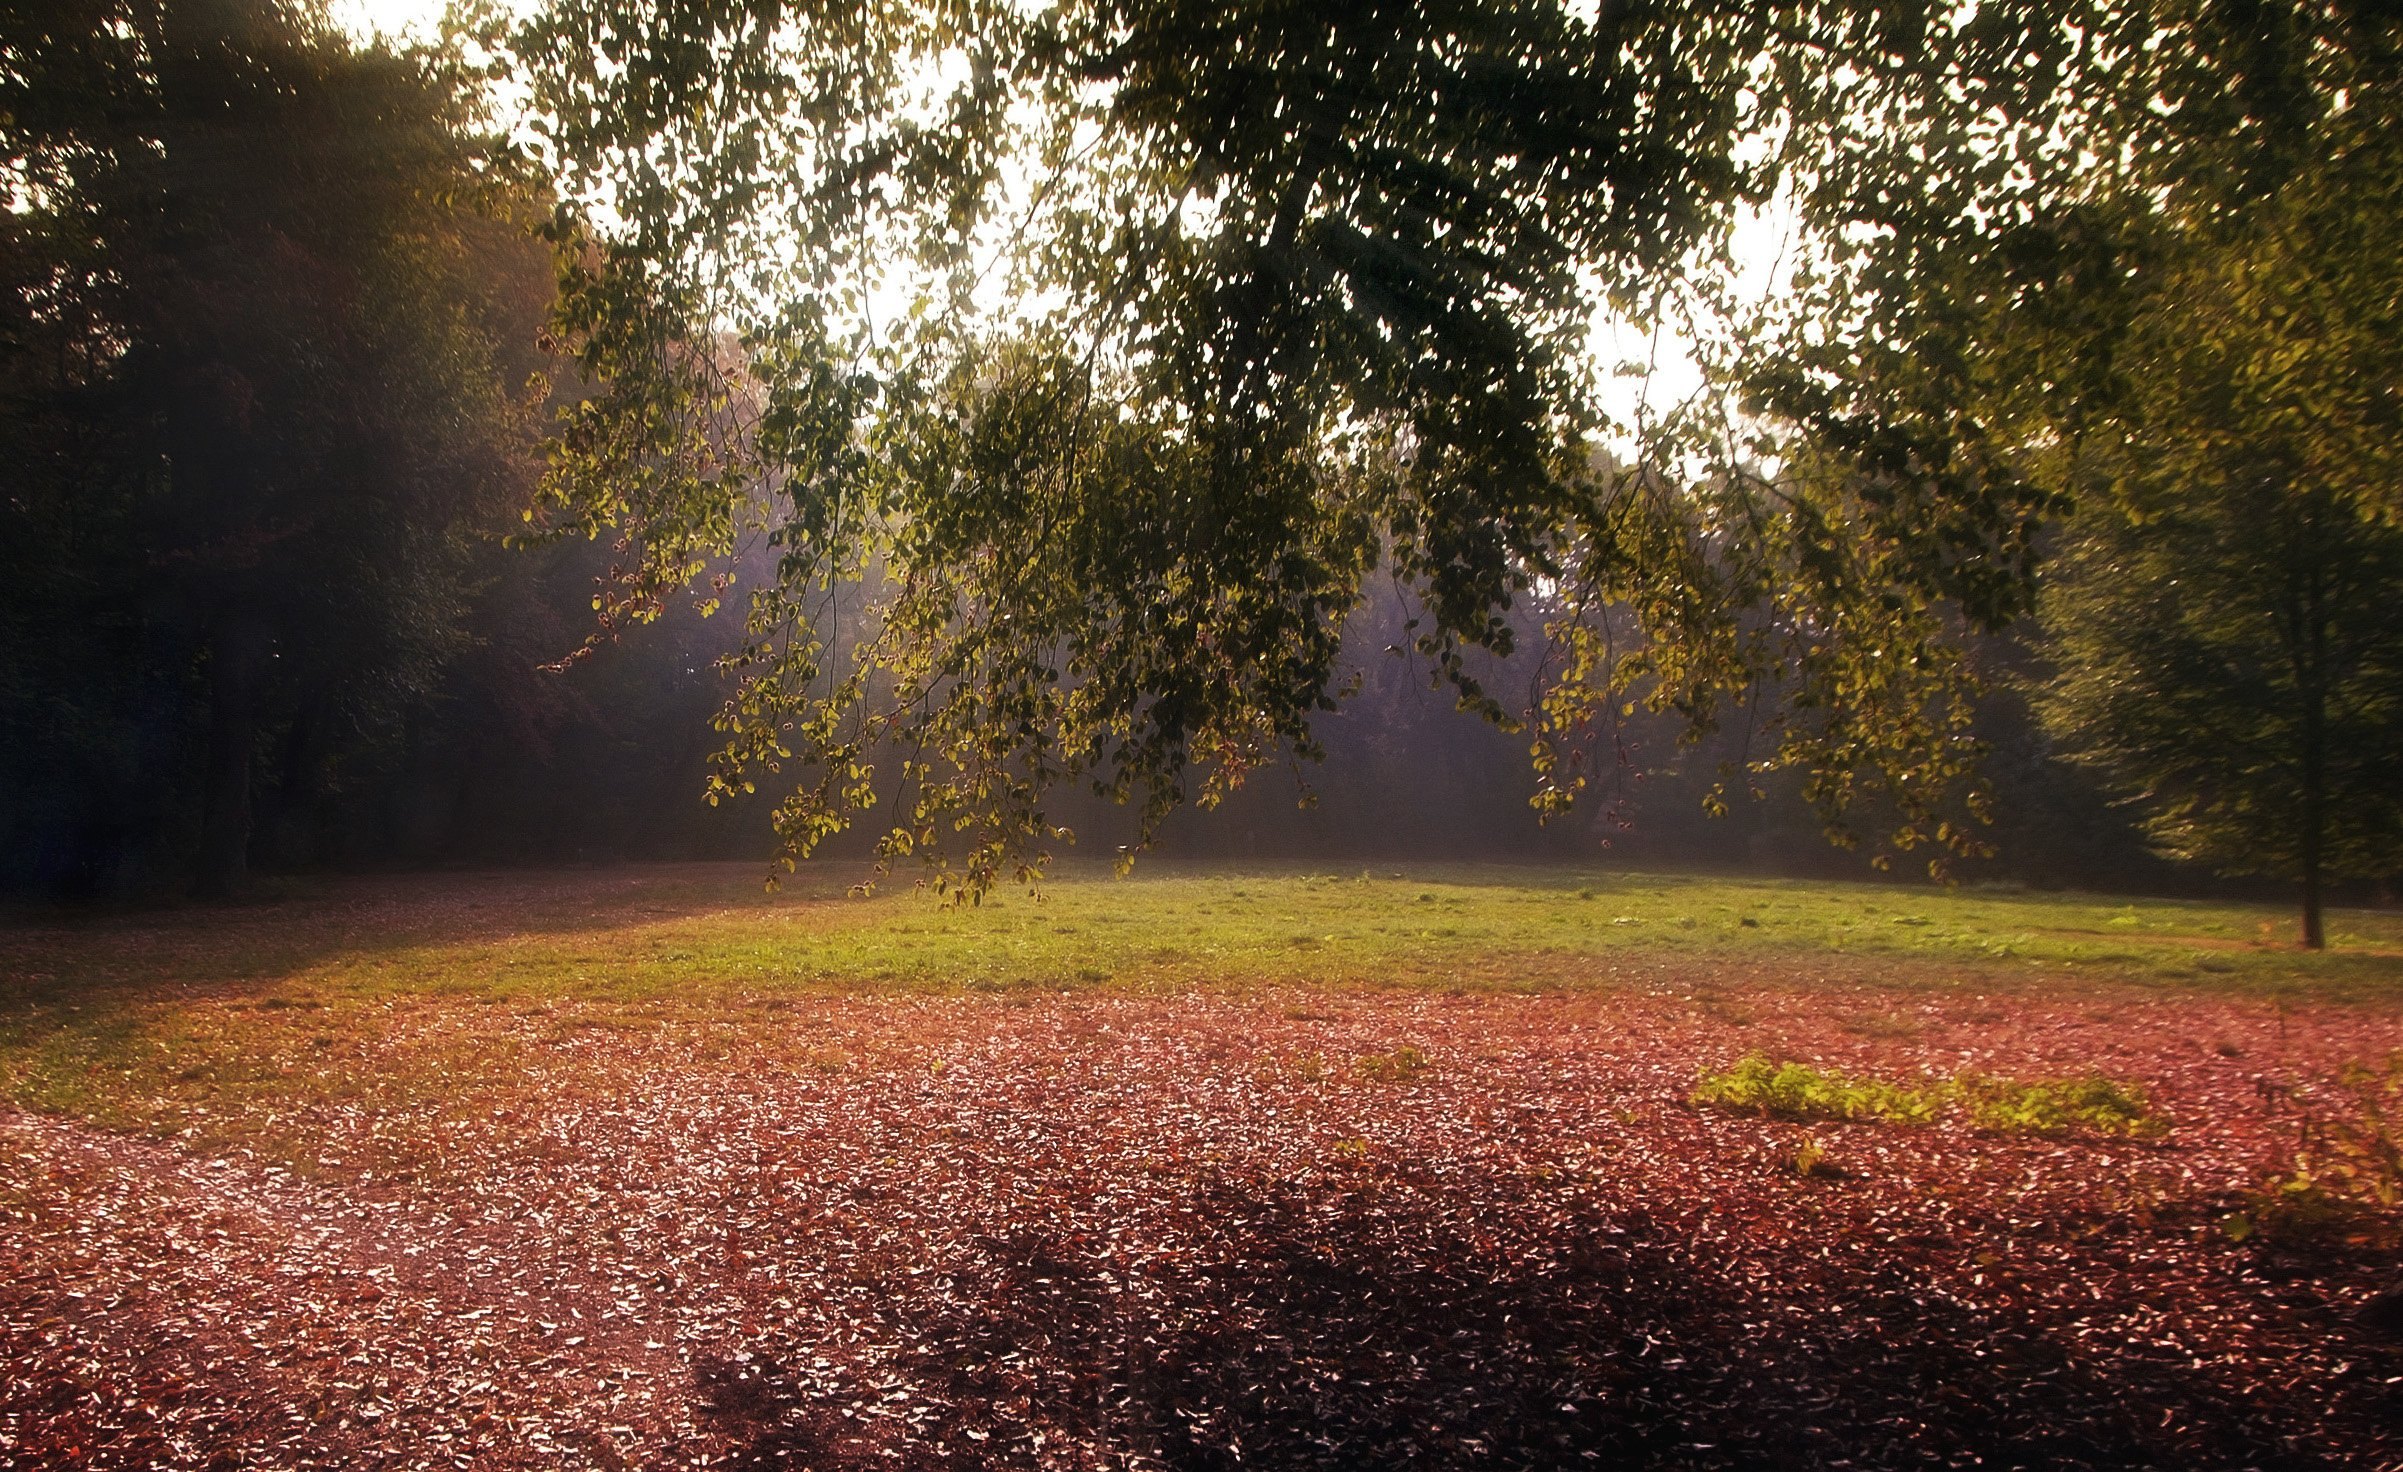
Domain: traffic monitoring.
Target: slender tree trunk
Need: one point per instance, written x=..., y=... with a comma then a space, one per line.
x=238, y=651
x=2315, y=817
x=2315, y=737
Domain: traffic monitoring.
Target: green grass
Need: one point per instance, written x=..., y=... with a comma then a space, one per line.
x=1758, y=1084
x=688, y=935
x=170, y=1020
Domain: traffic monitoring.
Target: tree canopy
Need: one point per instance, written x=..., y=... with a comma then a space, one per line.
x=1286, y=296
x=2223, y=620
x=1289, y=296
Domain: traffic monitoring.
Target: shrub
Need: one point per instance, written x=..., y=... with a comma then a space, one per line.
x=1810, y=1161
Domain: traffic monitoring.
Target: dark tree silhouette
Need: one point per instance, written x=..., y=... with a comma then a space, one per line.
x=258, y=404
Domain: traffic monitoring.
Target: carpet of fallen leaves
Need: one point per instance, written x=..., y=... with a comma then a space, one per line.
x=1200, y=1232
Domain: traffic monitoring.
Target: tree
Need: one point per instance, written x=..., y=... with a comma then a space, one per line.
x=2186, y=325
x=2223, y=622
x=2233, y=661
x=1295, y=293
x=1289, y=293
x=257, y=397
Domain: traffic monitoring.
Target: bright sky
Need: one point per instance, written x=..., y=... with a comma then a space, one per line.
x=389, y=17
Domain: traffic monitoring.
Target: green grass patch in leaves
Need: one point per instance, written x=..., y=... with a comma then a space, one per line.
x=2057, y=1106
x=1797, y=1091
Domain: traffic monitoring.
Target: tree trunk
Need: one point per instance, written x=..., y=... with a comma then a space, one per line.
x=238, y=651
x=2314, y=690
x=2315, y=818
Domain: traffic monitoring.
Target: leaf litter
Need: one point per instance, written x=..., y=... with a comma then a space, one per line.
x=1193, y=1231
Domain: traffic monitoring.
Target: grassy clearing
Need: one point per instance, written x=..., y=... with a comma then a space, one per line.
x=686, y=932
x=450, y=992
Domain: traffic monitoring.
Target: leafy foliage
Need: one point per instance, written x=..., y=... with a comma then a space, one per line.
x=2156, y=283
x=2223, y=622
x=1212, y=314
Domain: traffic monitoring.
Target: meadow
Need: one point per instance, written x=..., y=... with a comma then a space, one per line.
x=1436, y=1167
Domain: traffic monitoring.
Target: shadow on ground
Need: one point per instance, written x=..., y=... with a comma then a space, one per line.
x=236, y=949
x=1362, y=1329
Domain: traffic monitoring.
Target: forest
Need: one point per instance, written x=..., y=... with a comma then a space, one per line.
x=1116, y=733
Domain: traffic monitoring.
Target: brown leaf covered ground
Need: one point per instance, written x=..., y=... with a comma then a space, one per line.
x=1197, y=1229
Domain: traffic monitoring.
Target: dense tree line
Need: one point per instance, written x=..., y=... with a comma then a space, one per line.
x=266, y=323
x=273, y=392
